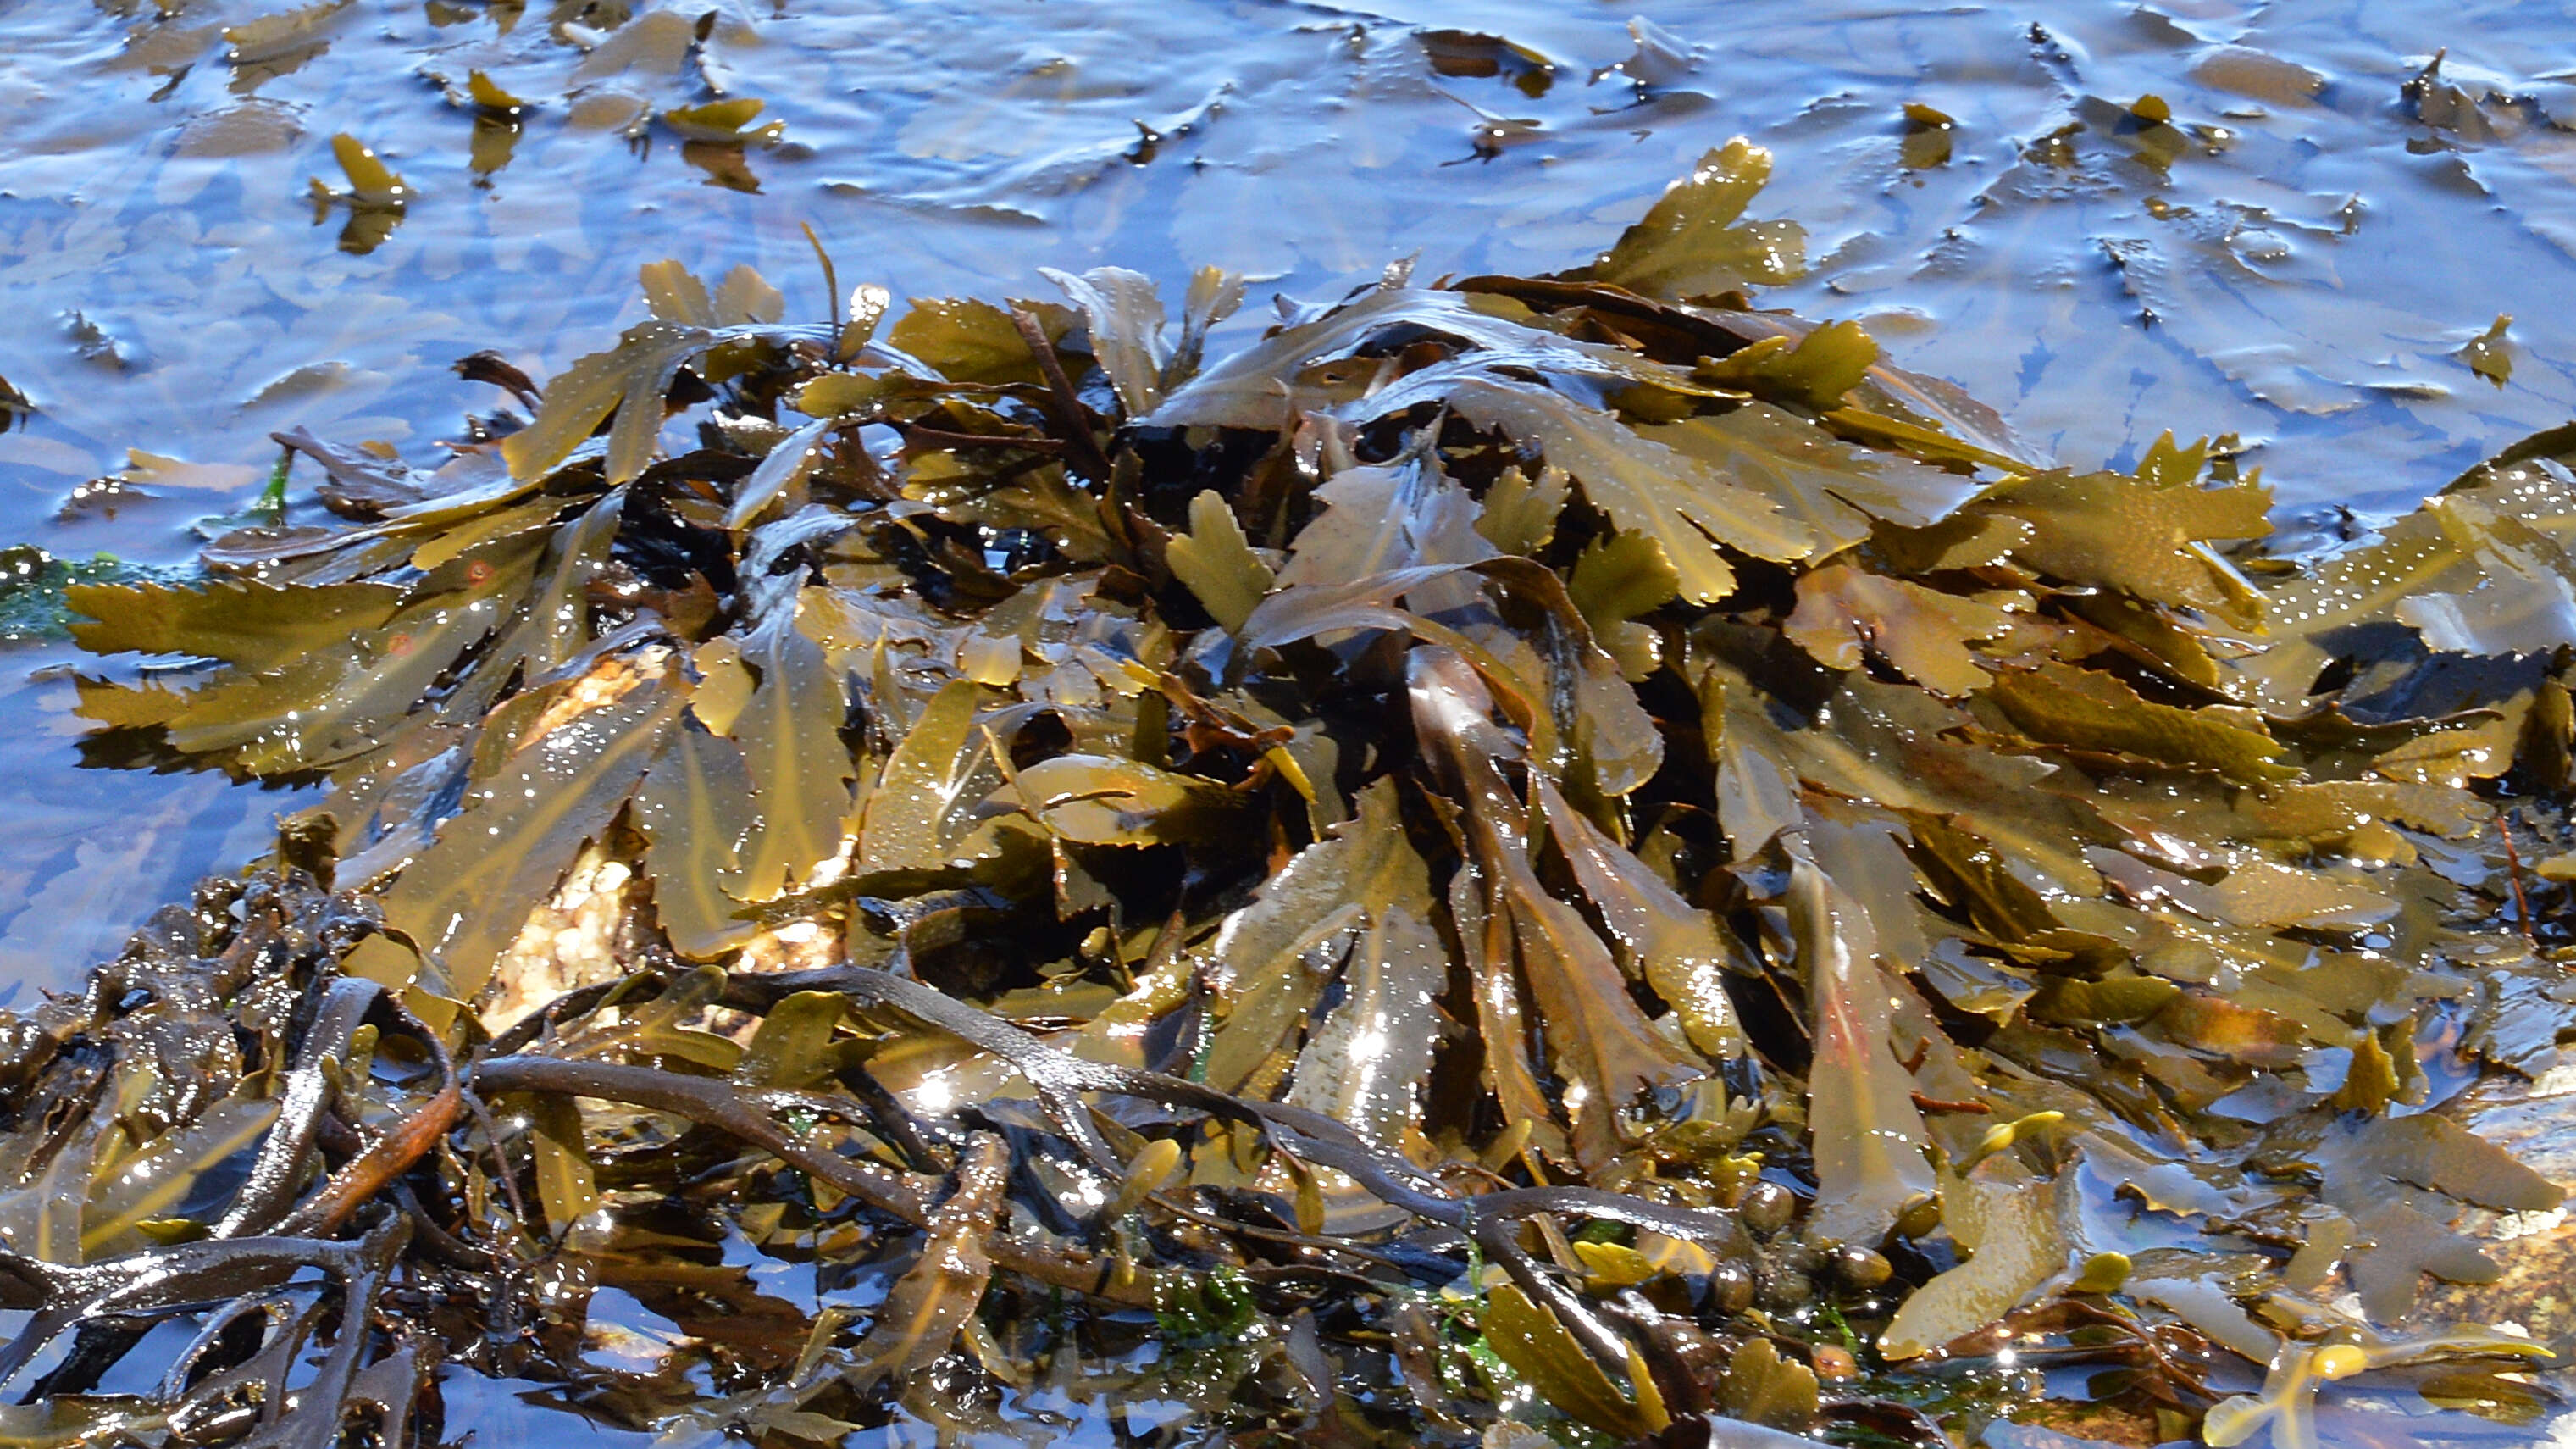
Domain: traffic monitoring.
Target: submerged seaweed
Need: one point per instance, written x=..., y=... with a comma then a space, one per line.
x=1549, y=852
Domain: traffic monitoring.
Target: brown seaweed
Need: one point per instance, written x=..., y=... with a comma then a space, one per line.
x=1551, y=852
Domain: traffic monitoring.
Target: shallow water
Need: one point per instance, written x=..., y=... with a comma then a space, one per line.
x=2299, y=257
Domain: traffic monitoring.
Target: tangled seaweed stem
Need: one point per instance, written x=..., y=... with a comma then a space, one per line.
x=727, y=1108
x=161, y=1280
x=1060, y=1079
x=277, y=1176
x=357, y=1183
x=1068, y=408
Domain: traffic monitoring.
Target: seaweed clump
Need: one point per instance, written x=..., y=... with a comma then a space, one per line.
x=1520, y=855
